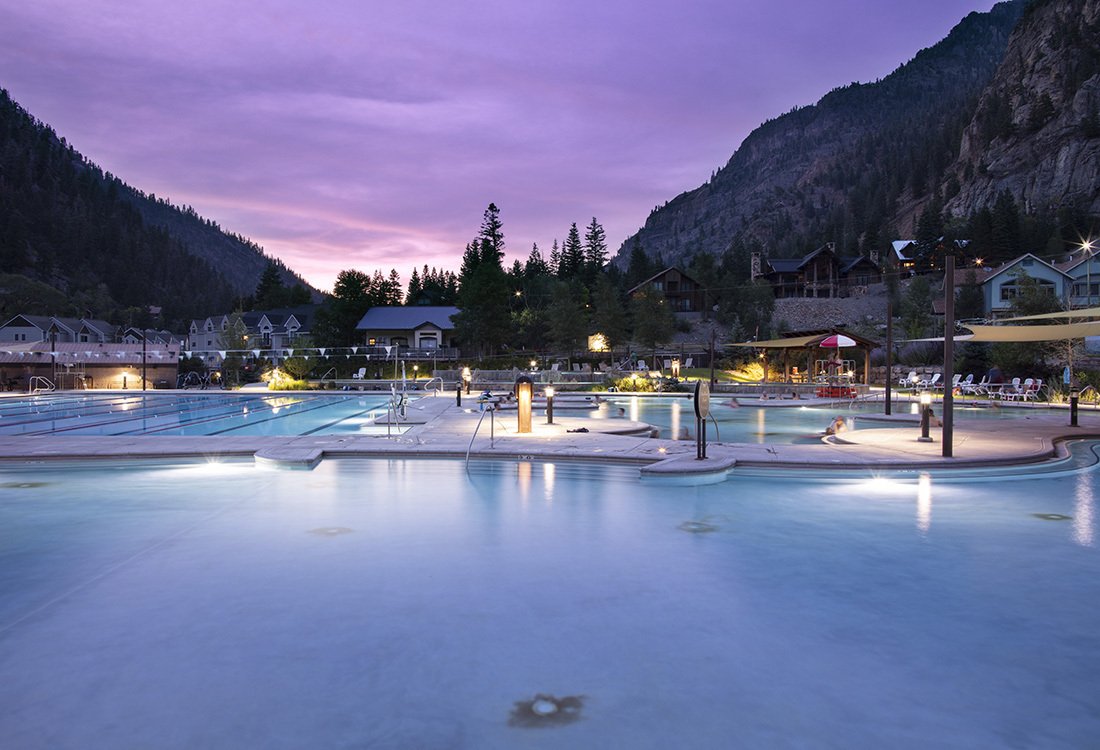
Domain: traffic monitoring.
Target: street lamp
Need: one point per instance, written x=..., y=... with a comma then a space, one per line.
x=1086, y=246
x=925, y=416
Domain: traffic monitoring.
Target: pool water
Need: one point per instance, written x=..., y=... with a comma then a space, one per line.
x=788, y=424
x=409, y=603
x=195, y=414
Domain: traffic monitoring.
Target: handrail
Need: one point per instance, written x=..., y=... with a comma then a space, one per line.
x=329, y=371
x=429, y=382
x=488, y=410
x=40, y=388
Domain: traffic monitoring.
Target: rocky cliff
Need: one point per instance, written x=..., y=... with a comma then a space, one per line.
x=1036, y=131
x=858, y=167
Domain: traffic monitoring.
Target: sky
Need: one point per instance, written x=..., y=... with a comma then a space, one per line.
x=357, y=134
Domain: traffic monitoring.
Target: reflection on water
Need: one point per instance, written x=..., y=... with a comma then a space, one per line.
x=1083, y=510
x=924, y=502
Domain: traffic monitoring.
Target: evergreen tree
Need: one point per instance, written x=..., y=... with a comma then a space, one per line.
x=970, y=302
x=1005, y=228
x=535, y=265
x=595, y=249
x=335, y=323
x=484, y=296
x=572, y=255
x=609, y=315
x=654, y=322
x=270, y=291
x=412, y=293
x=555, y=259
x=639, y=266
x=566, y=316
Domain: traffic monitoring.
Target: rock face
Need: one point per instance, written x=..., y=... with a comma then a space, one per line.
x=1036, y=131
x=1008, y=101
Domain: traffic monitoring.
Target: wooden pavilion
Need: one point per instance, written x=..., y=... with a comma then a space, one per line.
x=804, y=360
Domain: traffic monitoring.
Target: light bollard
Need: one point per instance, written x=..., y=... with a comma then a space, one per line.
x=524, y=392
x=549, y=405
x=925, y=416
x=1074, y=397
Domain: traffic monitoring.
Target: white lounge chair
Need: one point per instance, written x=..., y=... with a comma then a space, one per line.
x=642, y=366
x=1019, y=390
x=359, y=375
x=910, y=380
x=932, y=382
x=966, y=384
x=1032, y=393
x=1007, y=390
x=689, y=362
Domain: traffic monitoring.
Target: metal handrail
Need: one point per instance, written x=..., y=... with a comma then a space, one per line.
x=489, y=409
x=429, y=381
x=40, y=388
x=329, y=371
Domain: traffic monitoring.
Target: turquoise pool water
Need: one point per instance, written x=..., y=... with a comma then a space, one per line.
x=194, y=414
x=291, y=413
x=768, y=424
x=409, y=604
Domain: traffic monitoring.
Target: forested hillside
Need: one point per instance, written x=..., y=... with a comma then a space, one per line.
x=109, y=251
x=874, y=162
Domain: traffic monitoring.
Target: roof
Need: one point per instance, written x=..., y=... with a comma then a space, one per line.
x=407, y=318
x=658, y=275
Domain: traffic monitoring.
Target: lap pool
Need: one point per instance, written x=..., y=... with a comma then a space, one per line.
x=409, y=603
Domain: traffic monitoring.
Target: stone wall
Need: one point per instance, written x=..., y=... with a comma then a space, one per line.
x=806, y=313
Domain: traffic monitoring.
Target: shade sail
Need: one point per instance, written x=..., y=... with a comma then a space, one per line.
x=1023, y=334
x=796, y=342
x=1084, y=312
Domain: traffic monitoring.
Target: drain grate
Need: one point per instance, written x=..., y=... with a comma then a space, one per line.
x=331, y=531
x=546, y=711
x=1052, y=517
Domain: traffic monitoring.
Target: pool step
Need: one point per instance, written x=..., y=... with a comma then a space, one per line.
x=686, y=469
x=288, y=457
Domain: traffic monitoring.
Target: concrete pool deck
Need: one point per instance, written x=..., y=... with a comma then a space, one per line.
x=437, y=427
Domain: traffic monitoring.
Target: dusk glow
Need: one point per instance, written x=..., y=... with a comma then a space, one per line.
x=369, y=135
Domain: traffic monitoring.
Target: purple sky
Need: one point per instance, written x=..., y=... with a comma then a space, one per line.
x=356, y=134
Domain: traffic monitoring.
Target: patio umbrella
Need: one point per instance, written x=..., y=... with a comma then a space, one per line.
x=836, y=341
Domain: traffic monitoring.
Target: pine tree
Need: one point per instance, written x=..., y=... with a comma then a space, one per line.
x=572, y=255
x=412, y=293
x=595, y=249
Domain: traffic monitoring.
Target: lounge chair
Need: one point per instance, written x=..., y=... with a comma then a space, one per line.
x=977, y=389
x=689, y=362
x=1032, y=393
x=1007, y=390
x=955, y=380
x=932, y=382
x=642, y=366
x=1019, y=390
x=910, y=380
x=359, y=375
x=966, y=384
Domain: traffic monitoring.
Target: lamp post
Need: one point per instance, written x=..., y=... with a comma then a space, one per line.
x=466, y=379
x=524, y=393
x=1087, y=247
x=549, y=405
x=925, y=416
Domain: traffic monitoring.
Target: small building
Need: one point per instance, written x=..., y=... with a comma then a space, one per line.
x=822, y=273
x=426, y=330
x=683, y=294
x=1000, y=285
x=59, y=330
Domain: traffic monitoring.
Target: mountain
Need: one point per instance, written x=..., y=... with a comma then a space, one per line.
x=111, y=251
x=1036, y=128
x=959, y=124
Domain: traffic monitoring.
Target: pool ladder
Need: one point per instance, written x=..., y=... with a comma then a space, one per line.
x=490, y=409
x=40, y=384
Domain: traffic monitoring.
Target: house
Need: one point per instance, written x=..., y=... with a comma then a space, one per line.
x=269, y=332
x=822, y=273
x=682, y=293
x=419, y=328
x=914, y=257
x=1000, y=284
x=1083, y=268
x=59, y=330
x=152, y=337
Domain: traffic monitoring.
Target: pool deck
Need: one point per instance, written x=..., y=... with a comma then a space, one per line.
x=437, y=427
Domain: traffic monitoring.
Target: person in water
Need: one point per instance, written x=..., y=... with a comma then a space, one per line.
x=837, y=426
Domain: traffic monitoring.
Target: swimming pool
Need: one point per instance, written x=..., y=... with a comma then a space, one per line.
x=408, y=603
x=772, y=424
x=195, y=414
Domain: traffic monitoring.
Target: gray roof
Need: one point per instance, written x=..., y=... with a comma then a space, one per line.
x=407, y=318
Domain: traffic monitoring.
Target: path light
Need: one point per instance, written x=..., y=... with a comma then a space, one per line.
x=925, y=414
x=466, y=379
x=549, y=405
x=524, y=388
x=676, y=369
